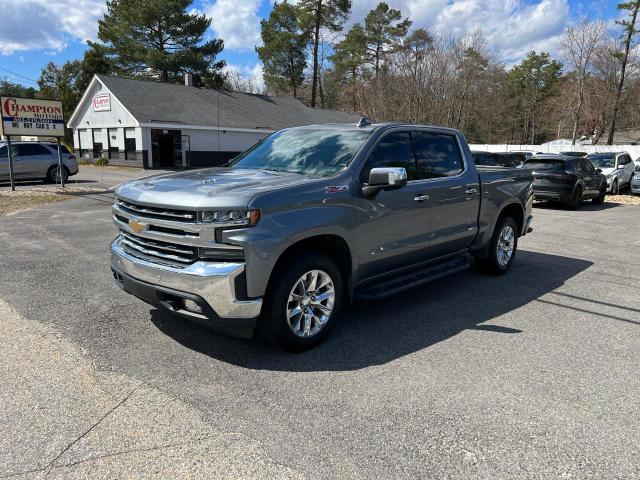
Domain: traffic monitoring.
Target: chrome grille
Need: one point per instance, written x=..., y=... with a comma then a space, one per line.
x=158, y=252
x=158, y=212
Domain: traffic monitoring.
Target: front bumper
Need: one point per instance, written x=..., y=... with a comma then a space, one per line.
x=210, y=285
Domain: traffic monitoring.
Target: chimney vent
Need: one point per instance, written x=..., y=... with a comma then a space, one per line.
x=188, y=79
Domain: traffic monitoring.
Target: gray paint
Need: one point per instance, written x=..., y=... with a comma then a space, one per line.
x=383, y=234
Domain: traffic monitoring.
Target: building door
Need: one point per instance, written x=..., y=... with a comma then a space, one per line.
x=166, y=154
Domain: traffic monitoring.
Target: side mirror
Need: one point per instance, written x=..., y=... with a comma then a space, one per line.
x=598, y=170
x=620, y=167
x=384, y=179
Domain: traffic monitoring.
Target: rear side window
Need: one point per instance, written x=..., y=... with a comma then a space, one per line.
x=3, y=153
x=394, y=150
x=537, y=164
x=28, y=149
x=438, y=155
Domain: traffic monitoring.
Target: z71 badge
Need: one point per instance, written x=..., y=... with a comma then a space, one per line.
x=337, y=189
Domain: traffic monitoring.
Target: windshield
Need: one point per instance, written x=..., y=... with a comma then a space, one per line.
x=317, y=152
x=538, y=164
x=602, y=161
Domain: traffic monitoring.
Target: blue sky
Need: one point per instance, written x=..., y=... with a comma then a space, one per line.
x=35, y=32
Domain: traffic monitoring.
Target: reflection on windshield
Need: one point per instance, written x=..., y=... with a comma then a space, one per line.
x=603, y=162
x=317, y=152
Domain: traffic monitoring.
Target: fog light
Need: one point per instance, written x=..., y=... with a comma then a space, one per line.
x=192, y=306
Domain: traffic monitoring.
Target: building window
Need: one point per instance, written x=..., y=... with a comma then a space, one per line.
x=130, y=143
x=97, y=143
x=112, y=133
x=84, y=142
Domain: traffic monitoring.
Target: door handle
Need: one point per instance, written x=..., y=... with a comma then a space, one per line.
x=471, y=190
x=421, y=198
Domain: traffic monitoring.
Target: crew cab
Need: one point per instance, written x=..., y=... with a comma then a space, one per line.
x=311, y=218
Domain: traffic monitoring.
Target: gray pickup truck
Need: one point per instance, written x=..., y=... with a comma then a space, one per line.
x=313, y=217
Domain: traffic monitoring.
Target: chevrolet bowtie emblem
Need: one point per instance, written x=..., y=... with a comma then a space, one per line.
x=137, y=226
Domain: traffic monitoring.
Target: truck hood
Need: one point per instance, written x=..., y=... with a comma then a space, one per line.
x=211, y=187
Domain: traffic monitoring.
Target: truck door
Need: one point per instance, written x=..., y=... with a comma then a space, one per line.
x=453, y=192
x=4, y=163
x=395, y=232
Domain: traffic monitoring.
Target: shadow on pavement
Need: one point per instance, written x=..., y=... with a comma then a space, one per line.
x=374, y=333
x=586, y=206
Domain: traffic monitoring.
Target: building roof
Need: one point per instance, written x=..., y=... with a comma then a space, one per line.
x=150, y=102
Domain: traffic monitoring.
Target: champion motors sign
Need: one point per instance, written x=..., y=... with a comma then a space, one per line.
x=29, y=116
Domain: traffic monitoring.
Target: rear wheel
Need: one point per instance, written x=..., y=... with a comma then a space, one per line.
x=53, y=174
x=599, y=200
x=502, y=250
x=576, y=199
x=303, y=302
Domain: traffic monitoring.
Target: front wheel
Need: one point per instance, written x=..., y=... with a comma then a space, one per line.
x=303, y=302
x=502, y=250
x=615, y=188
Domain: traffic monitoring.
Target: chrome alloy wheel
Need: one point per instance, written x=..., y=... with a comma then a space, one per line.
x=506, y=242
x=310, y=303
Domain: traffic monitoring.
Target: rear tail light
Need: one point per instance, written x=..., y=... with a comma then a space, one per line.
x=72, y=157
x=637, y=168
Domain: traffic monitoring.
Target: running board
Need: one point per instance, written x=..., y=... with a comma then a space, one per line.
x=398, y=284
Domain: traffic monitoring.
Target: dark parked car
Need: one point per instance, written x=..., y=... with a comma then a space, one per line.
x=574, y=154
x=500, y=159
x=568, y=180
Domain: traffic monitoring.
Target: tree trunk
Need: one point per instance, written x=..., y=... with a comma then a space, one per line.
x=316, y=42
x=625, y=59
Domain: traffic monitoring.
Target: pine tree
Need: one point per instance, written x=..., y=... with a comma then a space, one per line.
x=159, y=39
x=349, y=56
x=283, y=51
x=319, y=14
x=383, y=27
x=629, y=30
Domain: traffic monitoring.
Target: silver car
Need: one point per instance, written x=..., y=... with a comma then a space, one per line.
x=616, y=166
x=635, y=181
x=36, y=160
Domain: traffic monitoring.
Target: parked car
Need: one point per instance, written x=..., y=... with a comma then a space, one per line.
x=635, y=181
x=310, y=217
x=501, y=159
x=616, y=166
x=568, y=180
x=36, y=160
x=574, y=154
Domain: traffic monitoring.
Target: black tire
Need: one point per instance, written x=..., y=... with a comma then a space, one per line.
x=491, y=263
x=52, y=174
x=274, y=325
x=576, y=199
x=615, y=187
x=599, y=200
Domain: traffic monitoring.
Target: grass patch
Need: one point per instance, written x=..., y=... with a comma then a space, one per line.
x=15, y=203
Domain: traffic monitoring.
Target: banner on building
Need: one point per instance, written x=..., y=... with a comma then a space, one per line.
x=31, y=116
x=101, y=103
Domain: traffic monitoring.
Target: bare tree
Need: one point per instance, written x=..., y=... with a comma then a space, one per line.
x=578, y=45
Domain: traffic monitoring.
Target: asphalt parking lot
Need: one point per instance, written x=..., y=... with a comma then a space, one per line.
x=530, y=375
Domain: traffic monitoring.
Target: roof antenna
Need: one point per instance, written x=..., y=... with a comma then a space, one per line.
x=363, y=122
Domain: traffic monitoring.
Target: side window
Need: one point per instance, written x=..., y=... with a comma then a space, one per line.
x=587, y=166
x=438, y=155
x=28, y=149
x=626, y=159
x=3, y=154
x=394, y=150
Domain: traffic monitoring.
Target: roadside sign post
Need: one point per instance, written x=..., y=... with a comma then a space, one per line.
x=13, y=183
x=33, y=117
x=60, y=165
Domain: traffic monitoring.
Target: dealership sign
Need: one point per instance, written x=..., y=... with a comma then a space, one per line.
x=101, y=103
x=29, y=116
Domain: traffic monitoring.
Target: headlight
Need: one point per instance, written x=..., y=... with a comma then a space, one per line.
x=230, y=217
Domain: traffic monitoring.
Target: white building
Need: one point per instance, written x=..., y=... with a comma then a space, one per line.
x=160, y=125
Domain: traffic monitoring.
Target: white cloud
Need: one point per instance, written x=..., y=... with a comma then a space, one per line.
x=47, y=25
x=512, y=27
x=250, y=76
x=236, y=22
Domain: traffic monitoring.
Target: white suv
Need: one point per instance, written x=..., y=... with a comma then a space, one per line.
x=616, y=166
x=635, y=181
